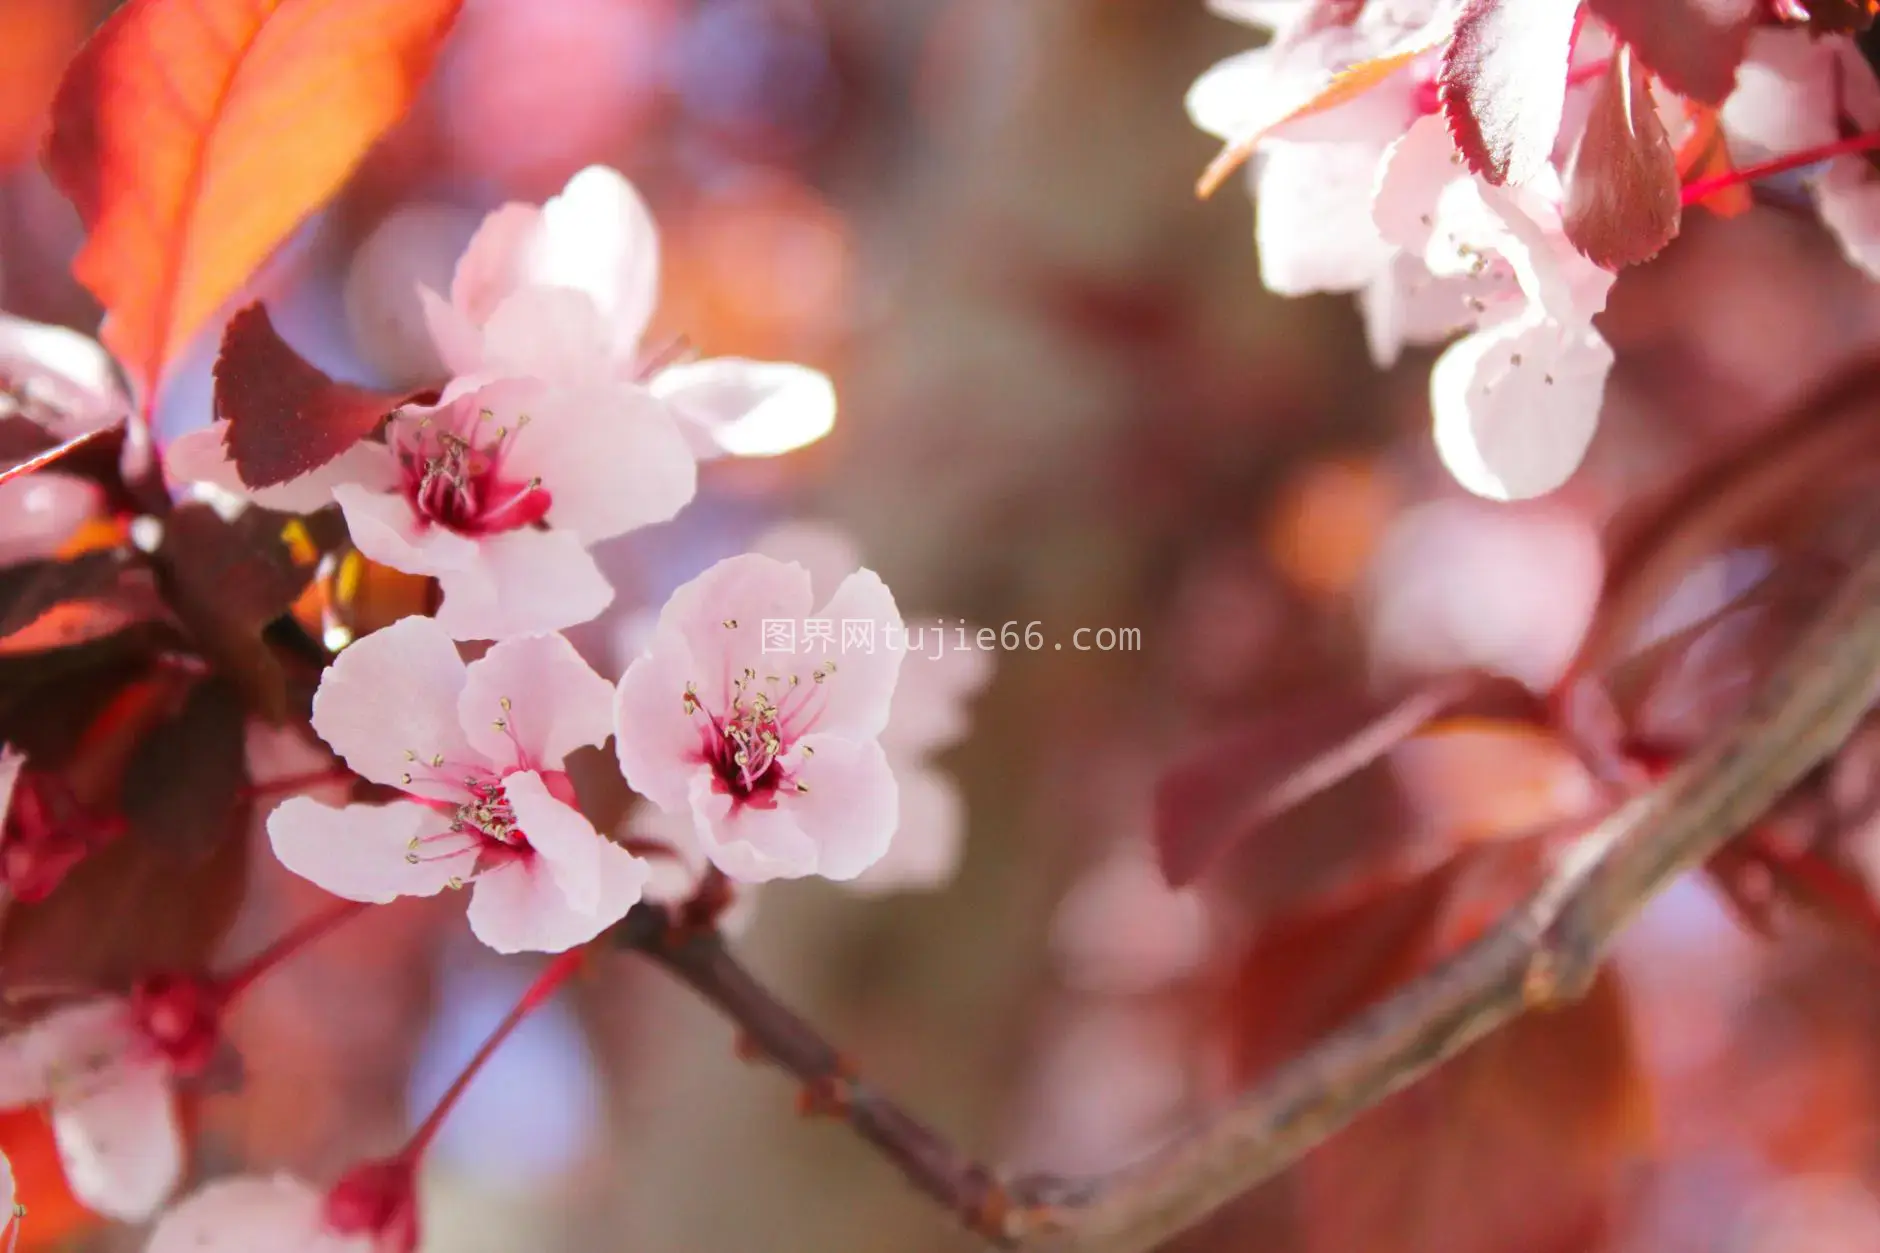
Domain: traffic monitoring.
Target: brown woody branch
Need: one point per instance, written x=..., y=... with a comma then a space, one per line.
x=1543, y=954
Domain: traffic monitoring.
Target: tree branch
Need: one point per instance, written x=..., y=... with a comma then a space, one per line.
x=1542, y=954
x=697, y=957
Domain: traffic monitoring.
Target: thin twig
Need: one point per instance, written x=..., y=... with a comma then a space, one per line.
x=1544, y=953
x=697, y=957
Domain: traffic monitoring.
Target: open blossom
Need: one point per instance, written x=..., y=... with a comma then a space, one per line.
x=929, y=715
x=774, y=753
x=373, y=1210
x=595, y=247
x=106, y=1067
x=478, y=750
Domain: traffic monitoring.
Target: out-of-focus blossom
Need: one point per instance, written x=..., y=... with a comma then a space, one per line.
x=1459, y=584
x=586, y=263
x=106, y=1066
x=928, y=716
x=64, y=381
x=771, y=744
x=281, y=1214
x=414, y=246
x=40, y=512
x=478, y=751
x=676, y=869
x=1123, y=930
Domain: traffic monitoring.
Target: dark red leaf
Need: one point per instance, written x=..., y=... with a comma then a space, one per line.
x=285, y=415
x=1622, y=186
x=1247, y=775
x=1693, y=45
x=184, y=784
x=65, y=604
x=1504, y=84
x=228, y=581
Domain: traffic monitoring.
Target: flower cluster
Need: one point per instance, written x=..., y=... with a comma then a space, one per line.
x=1476, y=171
x=555, y=428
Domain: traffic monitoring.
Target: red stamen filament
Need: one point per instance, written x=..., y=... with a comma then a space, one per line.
x=1704, y=187
x=552, y=977
x=244, y=976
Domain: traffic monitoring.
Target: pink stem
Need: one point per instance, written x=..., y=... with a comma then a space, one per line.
x=552, y=977
x=1694, y=192
x=244, y=976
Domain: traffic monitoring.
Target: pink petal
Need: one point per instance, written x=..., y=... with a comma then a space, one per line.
x=850, y=807
x=458, y=340
x=854, y=699
x=384, y=528
x=931, y=695
x=928, y=838
x=39, y=512
x=494, y=263
x=1785, y=98
x=1847, y=196
x=66, y=1052
x=1515, y=405
x=1411, y=178
x=252, y=1214
x=748, y=408
x=120, y=1144
x=825, y=551
x=1408, y=305
x=200, y=457
x=522, y=582
x=1313, y=229
x=390, y=700
x=12, y=761
x=547, y=333
x=70, y=373
x=610, y=456
x=673, y=875
x=555, y=702
x=718, y=619
x=598, y=237
x=364, y=852
x=526, y=907
x=567, y=847
x=655, y=739
x=1231, y=98
x=749, y=844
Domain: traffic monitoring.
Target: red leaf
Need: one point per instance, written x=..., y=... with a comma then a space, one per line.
x=285, y=416
x=1622, y=187
x=193, y=135
x=1246, y=776
x=1693, y=45
x=1504, y=81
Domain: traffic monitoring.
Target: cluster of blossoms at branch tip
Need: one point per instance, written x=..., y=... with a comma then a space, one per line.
x=1476, y=171
x=553, y=431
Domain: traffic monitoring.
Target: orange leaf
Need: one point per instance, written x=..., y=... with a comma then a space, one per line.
x=37, y=38
x=193, y=135
x=1703, y=157
x=53, y=1214
x=1340, y=88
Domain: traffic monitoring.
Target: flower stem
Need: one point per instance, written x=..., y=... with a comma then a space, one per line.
x=552, y=977
x=1704, y=187
x=244, y=976
x=296, y=782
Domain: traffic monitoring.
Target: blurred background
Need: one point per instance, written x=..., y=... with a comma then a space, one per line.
x=1065, y=399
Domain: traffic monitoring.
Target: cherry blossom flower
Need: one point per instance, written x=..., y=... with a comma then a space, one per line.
x=588, y=260
x=928, y=716
x=478, y=751
x=368, y=1212
x=774, y=753
x=58, y=378
x=106, y=1066
x=678, y=867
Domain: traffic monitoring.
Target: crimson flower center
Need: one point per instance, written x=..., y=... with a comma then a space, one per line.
x=460, y=480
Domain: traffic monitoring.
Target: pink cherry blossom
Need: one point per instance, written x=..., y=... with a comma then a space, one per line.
x=497, y=491
x=677, y=867
x=928, y=716
x=277, y=1213
x=478, y=751
x=774, y=751
x=106, y=1067
x=57, y=377
x=596, y=247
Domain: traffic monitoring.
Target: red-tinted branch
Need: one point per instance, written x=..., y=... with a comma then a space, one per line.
x=698, y=958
